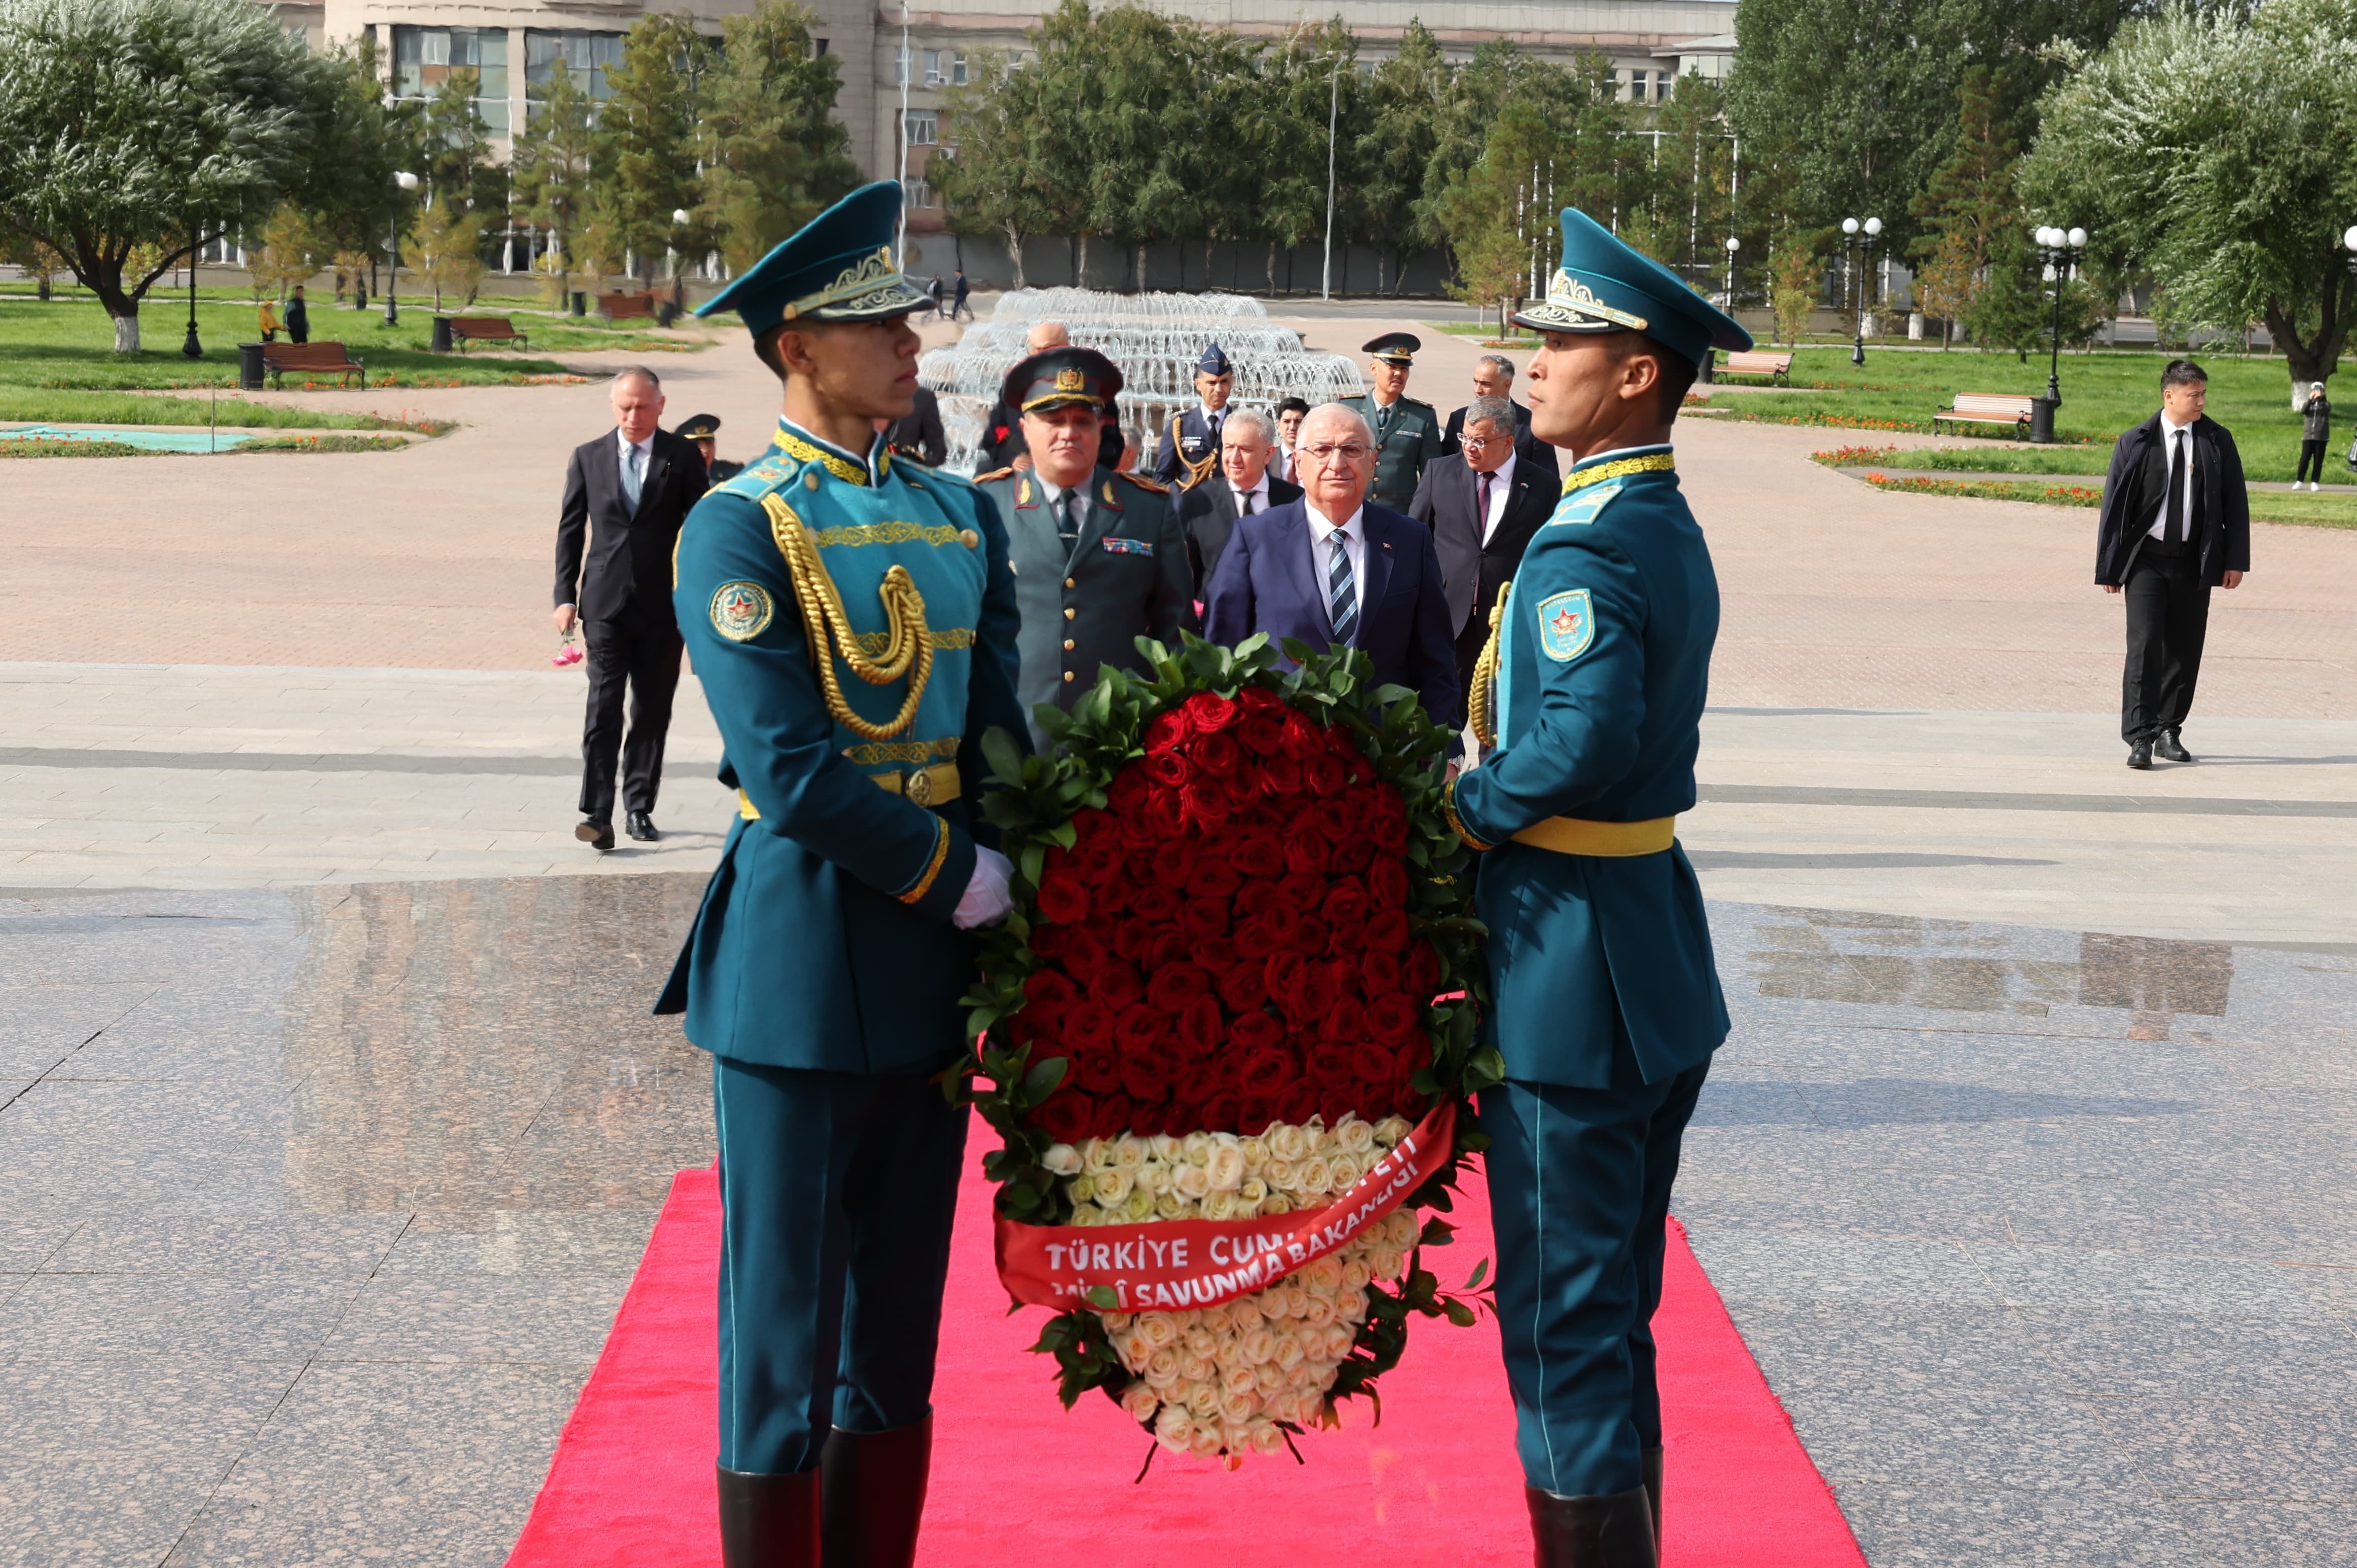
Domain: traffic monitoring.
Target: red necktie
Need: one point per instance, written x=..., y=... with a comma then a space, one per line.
x=1481, y=521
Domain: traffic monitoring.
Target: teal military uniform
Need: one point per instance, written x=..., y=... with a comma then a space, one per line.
x=1606, y=1002
x=823, y=969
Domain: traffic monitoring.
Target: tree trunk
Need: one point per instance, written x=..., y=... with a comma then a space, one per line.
x=2309, y=361
x=1015, y=253
x=1137, y=266
x=126, y=332
x=1081, y=267
x=1272, y=266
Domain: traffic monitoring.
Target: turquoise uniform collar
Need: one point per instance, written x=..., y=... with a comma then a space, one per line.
x=1619, y=463
x=804, y=446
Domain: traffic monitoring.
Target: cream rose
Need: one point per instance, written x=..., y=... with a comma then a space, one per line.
x=1113, y=1187
x=1163, y=1366
x=1140, y=1401
x=1226, y=1168
x=1196, y=1148
x=1220, y=1205
x=1096, y=1154
x=1173, y=1427
x=1289, y=1352
x=1061, y=1159
x=1276, y=1203
x=1390, y=1129
x=1316, y=1175
x=1257, y=1346
x=1171, y=1206
x=1255, y=1153
x=1355, y=1136
x=1238, y=1408
x=1191, y=1181
x=1321, y=1311
x=1162, y=1328
x=1287, y=1142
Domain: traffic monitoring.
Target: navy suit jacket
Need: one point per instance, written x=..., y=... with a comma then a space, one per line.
x=1267, y=580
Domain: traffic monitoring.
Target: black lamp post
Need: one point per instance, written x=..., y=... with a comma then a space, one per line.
x=1861, y=238
x=2059, y=249
x=191, y=348
x=407, y=181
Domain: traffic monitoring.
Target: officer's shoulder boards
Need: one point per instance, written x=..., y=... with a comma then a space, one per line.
x=1582, y=506
x=758, y=479
x=993, y=474
x=1143, y=483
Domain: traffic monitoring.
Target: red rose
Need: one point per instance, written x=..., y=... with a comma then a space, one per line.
x=1351, y=856
x=1308, y=852
x=1253, y=1030
x=1346, y=1022
x=1298, y=1104
x=1280, y=776
x=1068, y=1116
x=1212, y=878
x=1204, y=803
x=1394, y=1019
x=1165, y=733
x=1283, y=976
x=1274, y=927
x=1267, y=1070
x=1167, y=769
x=1173, y=862
x=1139, y=1029
x=1113, y=899
x=1154, y=905
x=1336, y=1103
x=1380, y=973
x=1300, y=893
x=1255, y=897
x=1325, y=775
x=1217, y=753
x=1257, y=853
x=1244, y=986
x=1207, y=712
x=1204, y=919
x=1314, y=997
x=1259, y=700
x=1048, y=942
x=1387, y=885
x=1217, y=954
x=1387, y=931
x=1255, y=1112
x=1097, y=1070
x=1125, y=794
x=1089, y=1026
x=1114, y=1116
x=1048, y=994
x=1172, y=988
x=1332, y=1064
x=1063, y=898
x=1163, y=816
x=1145, y=1075
x=1262, y=734
x=1388, y=827
x=1423, y=977
x=1221, y=1113
x=1310, y=935
x=1116, y=986
x=1410, y=1055
x=1346, y=902
x=1170, y=946
x=1201, y=1026
x=1133, y=940
x=1303, y=739
x=1097, y=861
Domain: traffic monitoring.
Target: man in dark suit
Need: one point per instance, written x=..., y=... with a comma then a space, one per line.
x=298, y=319
x=1190, y=443
x=1246, y=486
x=1493, y=376
x=1483, y=512
x=2175, y=523
x=918, y=434
x=1333, y=568
x=626, y=495
x=1097, y=556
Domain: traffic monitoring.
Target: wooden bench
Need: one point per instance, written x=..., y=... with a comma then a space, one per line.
x=1776, y=368
x=1988, y=408
x=466, y=329
x=311, y=360
x=626, y=307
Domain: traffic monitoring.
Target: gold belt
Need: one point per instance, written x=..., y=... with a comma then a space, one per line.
x=930, y=786
x=1571, y=835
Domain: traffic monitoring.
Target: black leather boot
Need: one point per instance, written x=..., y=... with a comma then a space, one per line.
x=1614, y=1531
x=2140, y=754
x=768, y=1521
x=875, y=1495
x=1653, y=1492
x=2169, y=748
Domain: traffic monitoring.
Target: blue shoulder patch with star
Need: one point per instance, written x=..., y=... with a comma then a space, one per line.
x=1566, y=625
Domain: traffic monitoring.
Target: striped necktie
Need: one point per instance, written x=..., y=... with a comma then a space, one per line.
x=1341, y=592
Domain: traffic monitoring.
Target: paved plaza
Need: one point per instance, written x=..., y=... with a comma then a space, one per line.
x=332, y=1123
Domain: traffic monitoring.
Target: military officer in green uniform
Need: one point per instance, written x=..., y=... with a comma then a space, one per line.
x=704, y=429
x=1407, y=433
x=1099, y=557
x=1607, y=1003
x=852, y=618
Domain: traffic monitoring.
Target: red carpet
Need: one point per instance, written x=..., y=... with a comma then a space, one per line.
x=1436, y=1483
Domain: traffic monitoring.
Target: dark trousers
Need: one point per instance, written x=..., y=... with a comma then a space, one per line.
x=1579, y=1194
x=838, y=1191
x=2311, y=461
x=637, y=651
x=2169, y=614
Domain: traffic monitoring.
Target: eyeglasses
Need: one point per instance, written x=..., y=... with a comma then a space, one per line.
x=1478, y=442
x=1328, y=456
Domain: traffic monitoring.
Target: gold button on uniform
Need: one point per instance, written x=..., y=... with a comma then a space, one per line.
x=1068, y=674
x=1070, y=583
x=1069, y=645
x=1070, y=614
x=810, y=478
x=969, y=538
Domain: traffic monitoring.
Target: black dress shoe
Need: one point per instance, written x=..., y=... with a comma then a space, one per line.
x=2169, y=748
x=875, y=1495
x=641, y=825
x=768, y=1521
x=597, y=834
x=2139, y=753
x=1614, y=1532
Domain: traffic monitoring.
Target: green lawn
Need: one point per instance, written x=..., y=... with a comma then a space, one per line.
x=2102, y=394
x=40, y=406
x=2308, y=509
x=1989, y=458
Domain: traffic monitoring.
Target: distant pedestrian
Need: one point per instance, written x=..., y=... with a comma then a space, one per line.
x=958, y=306
x=933, y=292
x=2175, y=522
x=2315, y=430
x=298, y=319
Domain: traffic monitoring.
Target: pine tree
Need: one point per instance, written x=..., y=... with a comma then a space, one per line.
x=553, y=165
x=645, y=146
x=1970, y=222
x=774, y=154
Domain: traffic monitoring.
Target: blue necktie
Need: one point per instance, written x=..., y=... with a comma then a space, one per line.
x=633, y=483
x=1342, y=595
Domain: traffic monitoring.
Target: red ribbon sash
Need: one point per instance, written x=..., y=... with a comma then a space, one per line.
x=1173, y=1265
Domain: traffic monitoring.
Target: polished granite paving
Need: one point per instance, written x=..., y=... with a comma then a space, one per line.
x=315, y=1206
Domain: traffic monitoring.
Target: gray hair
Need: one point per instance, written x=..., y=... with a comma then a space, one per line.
x=638, y=373
x=1253, y=419
x=1327, y=410
x=1494, y=411
x=1503, y=366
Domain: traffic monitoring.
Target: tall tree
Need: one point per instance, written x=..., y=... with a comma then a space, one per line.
x=774, y=154
x=165, y=123
x=554, y=160
x=1967, y=216
x=454, y=148
x=346, y=193
x=1392, y=152
x=2215, y=148
x=646, y=143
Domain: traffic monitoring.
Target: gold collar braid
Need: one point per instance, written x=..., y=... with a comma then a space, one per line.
x=908, y=647
x=1653, y=463
x=1481, y=703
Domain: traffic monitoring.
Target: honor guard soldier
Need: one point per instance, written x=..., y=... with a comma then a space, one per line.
x=1607, y=1003
x=1407, y=433
x=852, y=618
x=1190, y=443
x=1099, y=557
x=704, y=429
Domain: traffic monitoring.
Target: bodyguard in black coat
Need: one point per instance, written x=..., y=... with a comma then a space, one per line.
x=2175, y=523
x=1477, y=561
x=613, y=570
x=918, y=436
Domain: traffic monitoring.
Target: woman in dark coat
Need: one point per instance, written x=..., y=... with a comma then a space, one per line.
x=2315, y=430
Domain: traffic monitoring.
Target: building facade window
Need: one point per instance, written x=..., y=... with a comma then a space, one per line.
x=923, y=127
x=584, y=56
x=945, y=67
x=423, y=58
x=917, y=193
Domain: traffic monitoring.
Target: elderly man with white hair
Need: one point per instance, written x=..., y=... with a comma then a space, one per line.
x=1333, y=569
x=1246, y=486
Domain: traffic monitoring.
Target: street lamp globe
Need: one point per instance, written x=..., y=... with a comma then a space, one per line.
x=2078, y=239
x=2349, y=238
x=679, y=216
x=1734, y=244
x=1873, y=227
x=1849, y=225
x=403, y=178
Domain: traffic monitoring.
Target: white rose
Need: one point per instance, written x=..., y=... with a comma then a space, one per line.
x=1386, y=1263
x=1128, y=1152
x=1207, y=1443
x=1220, y=1205
x=1347, y=1171
x=1140, y=1401
x=1316, y=1175
x=1282, y=1175
x=1226, y=1166
x=1405, y=1227
x=1252, y=1190
x=1061, y=1159
x=1162, y=1328
x=1096, y=1154
x=1287, y=1142
x=1289, y=1352
x=1165, y=1147
x=1203, y=1396
x=1321, y=1141
x=1276, y=1203
x=1257, y=1346
x=1238, y=1408
x=1081, y=1188
x=1085, y=1214
x=1255, y=1153
x=1355, y=1136
x=1197, y=1147
x=1193, y=1181
x=1171, y=1206
x=1321, y=1311
x=1154, y=1177
x=1265, y=1437
x=1162, y=1368
x=1354, y=1276
x=1268, y=1377
x=1113, y=1187
x=1138, y=1207
x=1174, y=1429
x=1390, y=1129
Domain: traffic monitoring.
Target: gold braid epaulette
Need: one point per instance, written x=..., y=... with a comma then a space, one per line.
x=1481, y=703
x=1653, y=463
x=908, y=647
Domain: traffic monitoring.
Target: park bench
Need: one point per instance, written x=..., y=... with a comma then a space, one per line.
x=626, y=307
x=1988, y=408
x=310, y=359
x=1776, y=368
x=466, y=329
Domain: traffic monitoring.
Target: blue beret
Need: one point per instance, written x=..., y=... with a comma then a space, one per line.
x=1214, y=362
x=1604, y=285
x=837, y=267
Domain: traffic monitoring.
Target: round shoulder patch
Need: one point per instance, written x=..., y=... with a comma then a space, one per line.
x=741, y=611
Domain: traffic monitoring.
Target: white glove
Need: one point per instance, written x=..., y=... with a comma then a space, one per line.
x=985, y=902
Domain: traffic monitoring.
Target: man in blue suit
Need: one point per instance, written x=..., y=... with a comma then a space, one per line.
x=1332, y=568
x=1606, y=1002
x=851, y=619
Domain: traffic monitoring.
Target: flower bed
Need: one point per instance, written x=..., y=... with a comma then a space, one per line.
x=1208, y=1043
x=1993, y=490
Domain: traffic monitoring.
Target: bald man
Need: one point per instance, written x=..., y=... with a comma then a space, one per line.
x=1002, y=432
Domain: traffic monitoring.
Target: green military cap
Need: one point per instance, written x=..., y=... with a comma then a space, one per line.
x=1061, y=378
x=839, y=266
x=699, y=427
x=1604, y=285
x=1399, y=348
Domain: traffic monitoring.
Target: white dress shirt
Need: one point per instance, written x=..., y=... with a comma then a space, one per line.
x=1051, y=494
x=623, y=448
x=1352, y=534
x=1501, y=483
x=2168, y=434
x=1257, y=492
